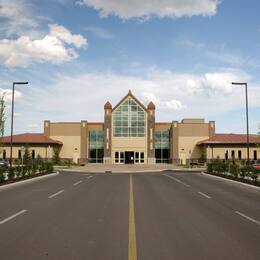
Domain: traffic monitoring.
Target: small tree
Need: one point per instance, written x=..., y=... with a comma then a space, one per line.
x=27, y=159
x=38, y=160
x=56, y=156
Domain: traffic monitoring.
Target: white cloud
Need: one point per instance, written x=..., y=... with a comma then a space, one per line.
x=7, y=93
x=150, y=97
x=148, y=8
x=174, y=104
x=16, y=16
x=171, y=104
x=52, y=48
x=65, y=35
x=170, y=91
x=100, y=32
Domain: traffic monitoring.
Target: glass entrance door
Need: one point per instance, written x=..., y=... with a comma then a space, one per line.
x=129, y=157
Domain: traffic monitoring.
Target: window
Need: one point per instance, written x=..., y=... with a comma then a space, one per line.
x=226, y=155
x=116, y=157
x=119, y=157
x=142, y=157
x=122, y=157
x=129, y=120
x=139, y=157
x=33, y=154
x=19, y=154
x=162, y=146
x=136, y=157
x=4, y=154
x=96, y=146
x=239, y=155
x=255, y=155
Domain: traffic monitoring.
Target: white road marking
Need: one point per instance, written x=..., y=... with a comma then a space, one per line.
x=76, y=183
x=204, y=195
x=89, y=177
x=183, y=183
x=55, y=194
x=248, y=218
x=13, y=216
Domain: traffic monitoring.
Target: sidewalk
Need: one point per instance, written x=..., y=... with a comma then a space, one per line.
x=121, y=168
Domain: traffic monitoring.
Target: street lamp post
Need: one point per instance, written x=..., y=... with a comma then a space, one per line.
x=12, y=119
x=247, y=125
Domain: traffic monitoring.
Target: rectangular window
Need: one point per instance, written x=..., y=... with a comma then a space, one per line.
x=142, y=157
x=33, y=154
x=122, y=157
x=116, y=157
x=19, y=154
x=4, y=154
x=226, y=155
x=239, y=155
x=96, y=146
x=162, y=146
x=255, y=155
x=136, y=157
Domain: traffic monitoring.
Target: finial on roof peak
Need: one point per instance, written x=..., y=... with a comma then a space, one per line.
x=151, y=105
x=129, y=92
x=108, y=105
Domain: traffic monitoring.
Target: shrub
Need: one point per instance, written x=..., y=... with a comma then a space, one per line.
x=210, y=168
x=234, y=169
x=38, y=160
x=27, y=159
x=42, y=167
x=2, y=175
x=254, y=174
x=18, y=171
x=49, y=167
x=28, y=170
x=243, y=172
x=56, y=156
x=34, y=168
x=11, y=173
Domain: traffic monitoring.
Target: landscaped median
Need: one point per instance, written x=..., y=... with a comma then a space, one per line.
x=235, y=171
x=20, y=173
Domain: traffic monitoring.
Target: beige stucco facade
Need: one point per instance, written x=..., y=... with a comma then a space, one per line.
x=239, y=152
x=135, y=138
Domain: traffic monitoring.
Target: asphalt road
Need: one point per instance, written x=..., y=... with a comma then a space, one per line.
x=148, y=216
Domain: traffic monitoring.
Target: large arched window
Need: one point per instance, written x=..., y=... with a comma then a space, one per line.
x=129, y=119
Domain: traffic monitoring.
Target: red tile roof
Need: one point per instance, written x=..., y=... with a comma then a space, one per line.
x=30, y=138
x=231, y=139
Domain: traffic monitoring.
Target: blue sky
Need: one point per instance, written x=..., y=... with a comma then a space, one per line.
x=183, y=55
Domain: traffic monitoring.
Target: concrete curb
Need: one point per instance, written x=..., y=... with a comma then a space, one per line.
x=11, y=185
x=232, y=181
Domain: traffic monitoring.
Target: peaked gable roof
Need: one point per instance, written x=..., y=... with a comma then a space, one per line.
x=129, y=94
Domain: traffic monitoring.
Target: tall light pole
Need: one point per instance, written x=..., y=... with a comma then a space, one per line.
x=247, y=125
x=12, y=120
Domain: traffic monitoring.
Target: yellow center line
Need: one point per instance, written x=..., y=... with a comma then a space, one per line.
x=132, y=236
